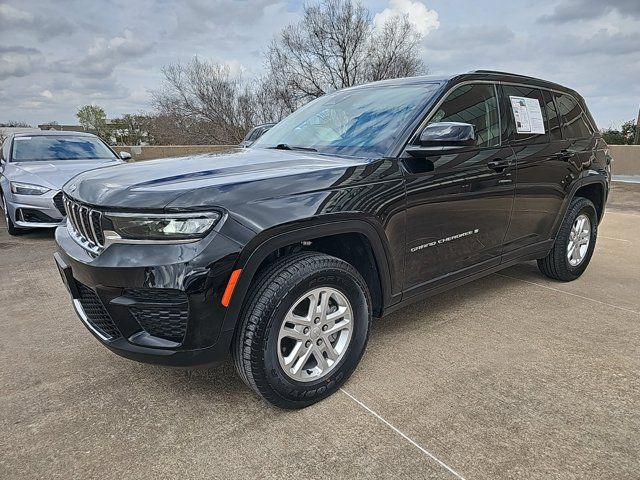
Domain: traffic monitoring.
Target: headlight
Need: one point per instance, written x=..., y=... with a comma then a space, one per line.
x=167, y=227
x=27, y=189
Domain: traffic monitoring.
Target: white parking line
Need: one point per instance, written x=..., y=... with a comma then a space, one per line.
x=614, y=212
x=412, y=442
x=568, y=293
x=618, y=239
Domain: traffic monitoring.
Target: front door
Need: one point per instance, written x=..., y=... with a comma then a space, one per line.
x=459, y=201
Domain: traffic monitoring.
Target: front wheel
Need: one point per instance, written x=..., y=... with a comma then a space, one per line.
x=575, y=242
x=303, y=330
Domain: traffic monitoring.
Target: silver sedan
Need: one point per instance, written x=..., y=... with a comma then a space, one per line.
x=33, y=168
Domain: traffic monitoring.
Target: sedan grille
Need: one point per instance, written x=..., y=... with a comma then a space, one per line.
x=85, y=224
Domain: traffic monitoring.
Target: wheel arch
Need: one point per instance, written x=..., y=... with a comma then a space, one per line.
x=593, y=185
x=320, y=235
x=594, y=191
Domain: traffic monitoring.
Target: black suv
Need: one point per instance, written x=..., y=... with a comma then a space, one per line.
x=357, y=204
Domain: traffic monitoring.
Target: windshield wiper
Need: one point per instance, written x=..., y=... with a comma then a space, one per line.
x=284, y=146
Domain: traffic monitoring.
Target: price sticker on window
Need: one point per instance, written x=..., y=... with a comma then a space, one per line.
x=527, y=114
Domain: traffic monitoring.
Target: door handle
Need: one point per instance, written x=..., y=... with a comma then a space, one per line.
x=498, y=165
x=565, y=155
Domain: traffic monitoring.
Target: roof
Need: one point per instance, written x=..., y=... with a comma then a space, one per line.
x=471, y=75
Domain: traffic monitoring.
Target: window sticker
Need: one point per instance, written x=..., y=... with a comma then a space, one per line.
x=21, y=138
x=527, y=114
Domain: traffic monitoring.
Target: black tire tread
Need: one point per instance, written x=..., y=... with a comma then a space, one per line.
x=554, y=265
x=266, y=292
x=11, y=228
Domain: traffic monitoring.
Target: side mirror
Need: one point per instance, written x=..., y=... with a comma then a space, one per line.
x=442, y=136
x=448, y=134
x=126, y=156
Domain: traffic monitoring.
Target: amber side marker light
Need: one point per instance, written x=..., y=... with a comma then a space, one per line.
x=231, y=285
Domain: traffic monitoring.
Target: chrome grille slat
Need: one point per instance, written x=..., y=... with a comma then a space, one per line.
x=83, y=223
x=84, y=219
x=94, y=235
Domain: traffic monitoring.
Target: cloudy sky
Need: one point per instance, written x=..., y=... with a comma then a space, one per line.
x=56, y=56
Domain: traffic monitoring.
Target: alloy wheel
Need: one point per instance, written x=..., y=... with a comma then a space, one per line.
x=315, y=334
x=579, y=239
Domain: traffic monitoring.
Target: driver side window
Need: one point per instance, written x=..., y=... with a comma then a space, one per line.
x=475, y=104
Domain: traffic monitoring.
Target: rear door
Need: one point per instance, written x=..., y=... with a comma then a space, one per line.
x=459, y=201
x=542, y=172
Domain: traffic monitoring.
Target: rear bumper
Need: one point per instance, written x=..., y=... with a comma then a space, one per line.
x=142, y=305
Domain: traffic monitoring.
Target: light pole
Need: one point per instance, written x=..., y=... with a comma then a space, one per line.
x=636, y=140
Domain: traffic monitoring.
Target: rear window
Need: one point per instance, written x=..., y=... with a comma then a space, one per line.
x=527, y=92
x=56, y=148
x=574, y=120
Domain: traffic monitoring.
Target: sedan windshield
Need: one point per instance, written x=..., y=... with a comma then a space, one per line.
x=54, y=148
x=359, y=122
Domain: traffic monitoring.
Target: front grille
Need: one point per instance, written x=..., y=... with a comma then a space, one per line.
x=86, y=224
x=152, y=295
x=96, y=314
x=161, y=312
x=168, y=322
x=59, y=202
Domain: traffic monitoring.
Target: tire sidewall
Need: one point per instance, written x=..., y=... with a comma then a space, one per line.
x=13, y=230
x=355, y=291
x=587, y=208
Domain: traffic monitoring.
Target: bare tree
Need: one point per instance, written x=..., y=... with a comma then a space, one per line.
x=336, y=45
x=203, y=102
x=394, y=51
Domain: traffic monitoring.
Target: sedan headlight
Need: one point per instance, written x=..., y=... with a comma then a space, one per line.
x=167, y=227
x=28, y=189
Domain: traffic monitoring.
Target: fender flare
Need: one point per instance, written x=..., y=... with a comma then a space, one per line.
x=587, y=178
x=254, y=253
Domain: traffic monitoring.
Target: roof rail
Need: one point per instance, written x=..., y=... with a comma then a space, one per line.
x=500, y=73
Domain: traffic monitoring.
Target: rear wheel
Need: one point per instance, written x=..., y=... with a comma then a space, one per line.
x=304, y=329
x=13, y=230
x=574, y=244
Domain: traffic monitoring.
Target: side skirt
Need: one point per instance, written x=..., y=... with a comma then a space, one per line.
x=531, y=252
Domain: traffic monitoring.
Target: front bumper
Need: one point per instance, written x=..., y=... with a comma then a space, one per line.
x=153, y=303
x=35, y=211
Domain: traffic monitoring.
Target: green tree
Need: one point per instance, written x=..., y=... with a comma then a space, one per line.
x=628, y=131
x=625, y=136
x=613, y=137
x=93, y=117
x=130, y=129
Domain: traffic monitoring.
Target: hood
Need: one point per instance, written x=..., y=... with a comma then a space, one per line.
x=52, y=174
x=207, y=180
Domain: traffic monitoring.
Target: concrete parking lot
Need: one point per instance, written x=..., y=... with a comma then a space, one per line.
x=512, y=376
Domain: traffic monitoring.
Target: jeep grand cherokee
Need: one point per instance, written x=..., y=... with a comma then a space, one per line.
x=359, y=203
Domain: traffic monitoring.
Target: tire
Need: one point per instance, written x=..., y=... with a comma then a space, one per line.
x=557, y=264
x=12, y=229
x=259, y=347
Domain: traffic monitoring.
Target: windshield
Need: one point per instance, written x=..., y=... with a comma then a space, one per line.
x=50, y=148
x=360, y=122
